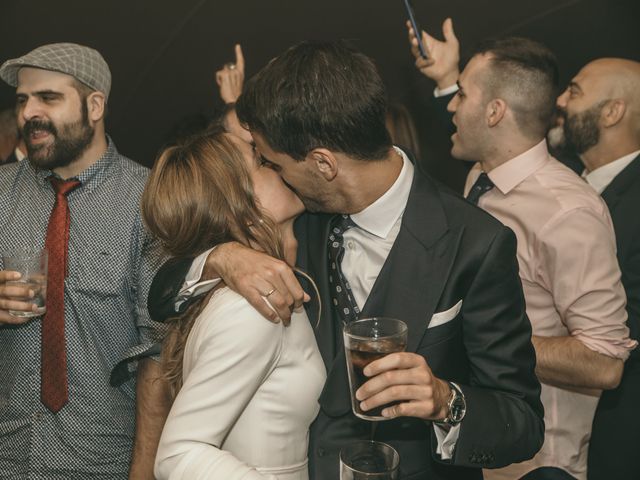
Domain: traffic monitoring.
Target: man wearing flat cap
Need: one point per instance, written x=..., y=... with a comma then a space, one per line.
x=63, y=413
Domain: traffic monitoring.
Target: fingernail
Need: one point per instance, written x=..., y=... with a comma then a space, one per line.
x=31, y=293
x=364, y=406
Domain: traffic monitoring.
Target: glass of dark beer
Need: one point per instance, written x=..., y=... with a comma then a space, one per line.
x=367, y=340
x=369, y=460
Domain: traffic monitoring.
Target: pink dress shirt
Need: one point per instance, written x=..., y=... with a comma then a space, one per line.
x=571, y=281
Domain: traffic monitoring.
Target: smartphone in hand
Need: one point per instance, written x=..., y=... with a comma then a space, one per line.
x=416, y=29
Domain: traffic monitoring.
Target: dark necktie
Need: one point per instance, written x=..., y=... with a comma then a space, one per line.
x=53, y=369
x=341, y=294
x=483, y=185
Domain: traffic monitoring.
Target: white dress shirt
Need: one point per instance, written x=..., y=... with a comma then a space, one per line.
x=600, y=178
x=366, y=248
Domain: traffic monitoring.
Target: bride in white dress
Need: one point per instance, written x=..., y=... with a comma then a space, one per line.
x=246, y=389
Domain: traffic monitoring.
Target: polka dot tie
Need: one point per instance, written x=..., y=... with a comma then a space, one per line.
x=483, y=185
x=53, y=368
x=341, y=295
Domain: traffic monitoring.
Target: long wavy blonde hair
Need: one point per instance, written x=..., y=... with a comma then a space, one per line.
x=199, y=194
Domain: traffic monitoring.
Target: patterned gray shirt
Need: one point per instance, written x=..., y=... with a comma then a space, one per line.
x=111, y=262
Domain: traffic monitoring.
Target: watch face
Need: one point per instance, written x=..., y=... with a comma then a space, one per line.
x=458, y=408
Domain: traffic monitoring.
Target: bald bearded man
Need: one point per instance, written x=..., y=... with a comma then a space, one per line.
x=600, y=119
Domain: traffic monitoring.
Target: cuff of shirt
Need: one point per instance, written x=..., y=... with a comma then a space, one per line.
x=620, y=348
x=447, y=438
x=127, y=367
x=192, y=285
x=445, y=91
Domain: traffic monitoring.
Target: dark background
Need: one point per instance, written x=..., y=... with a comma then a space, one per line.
x=163, y=54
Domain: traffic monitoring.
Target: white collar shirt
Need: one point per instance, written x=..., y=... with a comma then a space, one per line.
x=367, y=245
x=600, y=178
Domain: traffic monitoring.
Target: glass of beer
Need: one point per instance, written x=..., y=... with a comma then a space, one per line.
x=369, y=460
x=367, y=340
x=32, y=266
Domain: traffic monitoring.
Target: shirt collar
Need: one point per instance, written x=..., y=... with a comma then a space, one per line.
x=601, y=177
x=92, y=176
x=380, y=217
x=513, y=172
x=19, y=155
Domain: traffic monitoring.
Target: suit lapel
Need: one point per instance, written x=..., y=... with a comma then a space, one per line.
x=411, y=282
x=621, y=183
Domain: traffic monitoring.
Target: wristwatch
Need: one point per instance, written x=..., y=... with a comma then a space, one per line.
x=457, y=406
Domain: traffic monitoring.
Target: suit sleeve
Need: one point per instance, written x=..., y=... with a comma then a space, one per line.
x=165, y=288
x=631, y=282
x=444, y=116
x=504, y=420
x=232, y=354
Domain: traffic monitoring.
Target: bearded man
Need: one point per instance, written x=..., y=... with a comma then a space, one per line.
x=600, y=119
x=77, y=197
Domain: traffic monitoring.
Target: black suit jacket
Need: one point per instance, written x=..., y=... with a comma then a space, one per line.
x=622, y=196
x=617, y=415
x=447, y=250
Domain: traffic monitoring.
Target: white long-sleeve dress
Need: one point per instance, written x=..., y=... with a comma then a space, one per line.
x=250, y=392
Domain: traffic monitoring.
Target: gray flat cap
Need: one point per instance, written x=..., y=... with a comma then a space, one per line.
x=83, y=63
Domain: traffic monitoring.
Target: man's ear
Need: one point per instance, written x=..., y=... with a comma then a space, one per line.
x=496, y=110
x=324, y=161
x=96, y=105
x=613, y=112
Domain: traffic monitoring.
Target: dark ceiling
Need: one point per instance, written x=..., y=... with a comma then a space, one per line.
x=163, y=54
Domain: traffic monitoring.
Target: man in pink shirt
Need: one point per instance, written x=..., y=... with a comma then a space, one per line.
x=566, y=245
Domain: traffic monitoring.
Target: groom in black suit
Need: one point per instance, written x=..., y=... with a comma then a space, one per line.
x=467, y=394
x=601, y=122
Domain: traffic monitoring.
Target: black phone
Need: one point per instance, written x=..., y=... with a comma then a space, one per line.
x=416, y=29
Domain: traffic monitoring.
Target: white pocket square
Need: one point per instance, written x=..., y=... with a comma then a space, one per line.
x=441, y=318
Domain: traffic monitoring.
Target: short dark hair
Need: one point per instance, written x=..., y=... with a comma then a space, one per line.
x=84, y=91
x=318, y=95
x=526, y=72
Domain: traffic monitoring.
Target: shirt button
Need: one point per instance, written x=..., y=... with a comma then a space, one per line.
x=351, y=245
x=37, y=416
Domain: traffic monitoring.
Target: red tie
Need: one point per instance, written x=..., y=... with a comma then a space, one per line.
x=53, y=370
